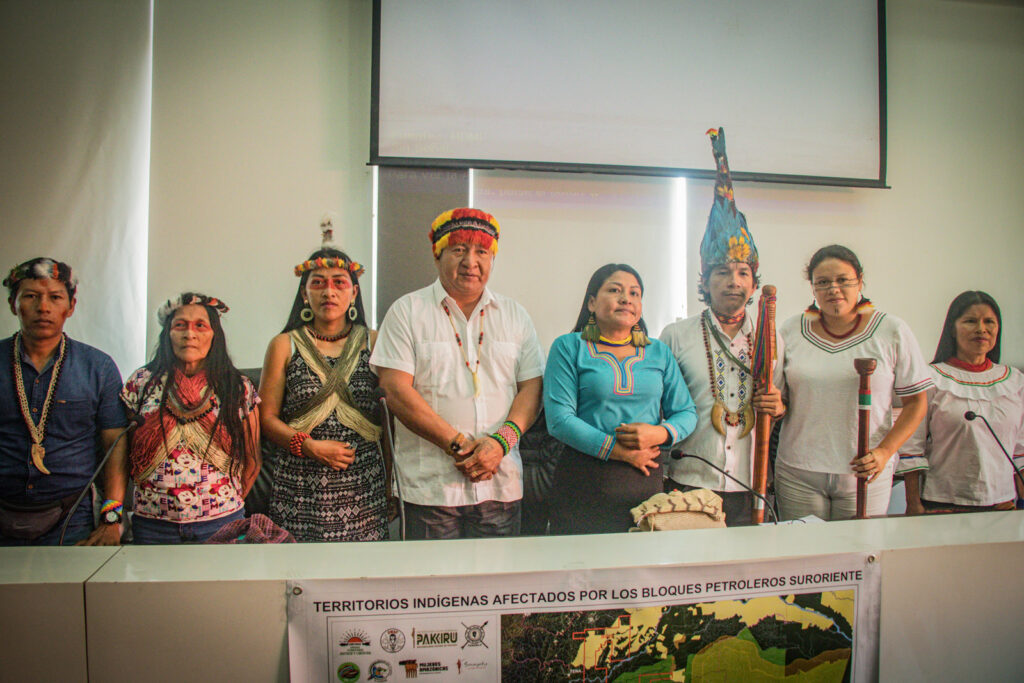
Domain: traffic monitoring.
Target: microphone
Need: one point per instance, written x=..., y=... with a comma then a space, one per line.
x=134, y=422
x=970, y=416
x=678, y=455
x=382, y=399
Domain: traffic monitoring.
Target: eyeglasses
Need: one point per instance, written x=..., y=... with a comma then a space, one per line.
x=841, y=283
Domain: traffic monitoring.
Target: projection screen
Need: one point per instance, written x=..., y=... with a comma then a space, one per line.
x=631, y=87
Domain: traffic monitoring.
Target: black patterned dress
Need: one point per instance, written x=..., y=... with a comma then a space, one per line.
x=309, y=499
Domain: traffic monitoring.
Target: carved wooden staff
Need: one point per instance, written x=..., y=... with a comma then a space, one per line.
x=761, y=368
x=864, y=367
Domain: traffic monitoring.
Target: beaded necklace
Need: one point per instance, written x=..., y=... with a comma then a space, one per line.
x=479, y=344
x=844, y=335
x=970, y=367
x=720, y=413
x=609, y=342
x=731, y=319
x=325, y=338
x=179, y=408
x=37, y=432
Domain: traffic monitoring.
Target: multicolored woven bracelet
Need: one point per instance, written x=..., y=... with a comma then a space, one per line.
x=295, y=443
x=111, y=506
x=508, y=436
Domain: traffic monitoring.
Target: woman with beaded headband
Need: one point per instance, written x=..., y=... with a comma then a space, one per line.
x=196, y=454
x=614, y=397
x=320, y=411
x=817, y=467
x=963, y=468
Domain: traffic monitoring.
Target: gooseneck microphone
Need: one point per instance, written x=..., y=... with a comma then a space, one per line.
x=382, y=399
x=132, y=424
x=970, y=416
x=677, y=455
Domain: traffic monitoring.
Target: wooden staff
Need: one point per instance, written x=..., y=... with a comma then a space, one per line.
x=762, y=367
x=864, y=367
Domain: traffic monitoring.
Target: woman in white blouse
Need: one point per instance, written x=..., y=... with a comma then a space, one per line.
x=963, y=467
x=817, y=468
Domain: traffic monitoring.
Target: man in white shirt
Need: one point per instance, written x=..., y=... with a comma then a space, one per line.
x=714, y=350
x=461, y=368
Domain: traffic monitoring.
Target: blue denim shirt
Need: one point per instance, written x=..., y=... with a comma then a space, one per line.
x=86, y=401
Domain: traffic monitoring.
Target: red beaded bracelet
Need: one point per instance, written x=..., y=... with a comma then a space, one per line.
x=295, y=443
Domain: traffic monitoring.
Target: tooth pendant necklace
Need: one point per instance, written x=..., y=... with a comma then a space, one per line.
x=473, y=370
x=37, y=432
x=721, y=416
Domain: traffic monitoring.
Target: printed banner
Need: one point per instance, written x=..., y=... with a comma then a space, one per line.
x=811, y=618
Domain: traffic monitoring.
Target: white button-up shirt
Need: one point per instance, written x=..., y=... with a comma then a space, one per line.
x=731, y=453
x=416, y=337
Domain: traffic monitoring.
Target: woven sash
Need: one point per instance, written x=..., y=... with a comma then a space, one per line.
x=196, y=438
x=333, y=396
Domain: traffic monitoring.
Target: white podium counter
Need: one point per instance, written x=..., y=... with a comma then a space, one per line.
x=951, y=603
x=42, y=608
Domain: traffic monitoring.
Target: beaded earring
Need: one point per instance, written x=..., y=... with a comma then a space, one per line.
x=352, y=312
x=590, y=331
x=639, y=338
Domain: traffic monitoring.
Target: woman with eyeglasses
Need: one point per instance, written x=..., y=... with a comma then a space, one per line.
x=817, y=468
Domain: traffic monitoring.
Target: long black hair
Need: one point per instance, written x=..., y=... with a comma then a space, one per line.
x=295, y=320
x=221, y=374
x=946, y=348
x=836, y=251
x=599, y=277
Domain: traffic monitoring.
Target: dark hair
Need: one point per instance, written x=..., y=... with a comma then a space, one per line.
x=599, y=277
x=836, y=251
x=946, y=348
x=27, y=270
x=221, y=374
x=294, y=318
x=705, y=297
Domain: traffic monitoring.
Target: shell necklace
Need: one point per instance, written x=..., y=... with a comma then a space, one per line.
x=37, y=432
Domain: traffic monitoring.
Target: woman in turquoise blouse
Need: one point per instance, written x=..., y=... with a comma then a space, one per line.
x=614, y=397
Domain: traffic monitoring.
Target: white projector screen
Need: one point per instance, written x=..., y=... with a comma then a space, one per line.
x=631, y=87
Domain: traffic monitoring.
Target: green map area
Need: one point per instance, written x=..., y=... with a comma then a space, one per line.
x=796, y=637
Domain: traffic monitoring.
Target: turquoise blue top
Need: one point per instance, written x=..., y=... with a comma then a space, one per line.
x=589, y=392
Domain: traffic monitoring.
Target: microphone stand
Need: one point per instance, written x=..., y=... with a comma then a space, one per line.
x=394, y=461
x=676, y=455
x=970, y=416
x=71, y=511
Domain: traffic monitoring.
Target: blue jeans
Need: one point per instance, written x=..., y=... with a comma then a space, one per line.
x=483, y=520
x=79, y=529
x=148, y=531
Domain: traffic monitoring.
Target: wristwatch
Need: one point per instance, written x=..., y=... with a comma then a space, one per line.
x=112, y=516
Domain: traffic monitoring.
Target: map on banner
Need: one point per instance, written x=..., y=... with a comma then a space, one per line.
x=807, y=619
x=806, y=636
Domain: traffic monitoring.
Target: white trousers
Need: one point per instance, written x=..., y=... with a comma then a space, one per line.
x=829, y=496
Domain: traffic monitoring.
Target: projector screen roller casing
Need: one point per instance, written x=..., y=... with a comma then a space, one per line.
x=631, y=87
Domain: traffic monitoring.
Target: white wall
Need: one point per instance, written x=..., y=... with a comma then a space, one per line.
x=74, y=158
x=951, y=221
x=260, y=125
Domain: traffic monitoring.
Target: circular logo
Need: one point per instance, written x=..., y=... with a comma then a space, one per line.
x=348, y=671
x=379, y=671
x=475, y=634
x=392, y=640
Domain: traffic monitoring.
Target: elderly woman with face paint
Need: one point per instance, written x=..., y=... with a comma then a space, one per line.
x=196, y=453
x=817, y=466
x=614, y=397
x=319, y=408
x=962, y=465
